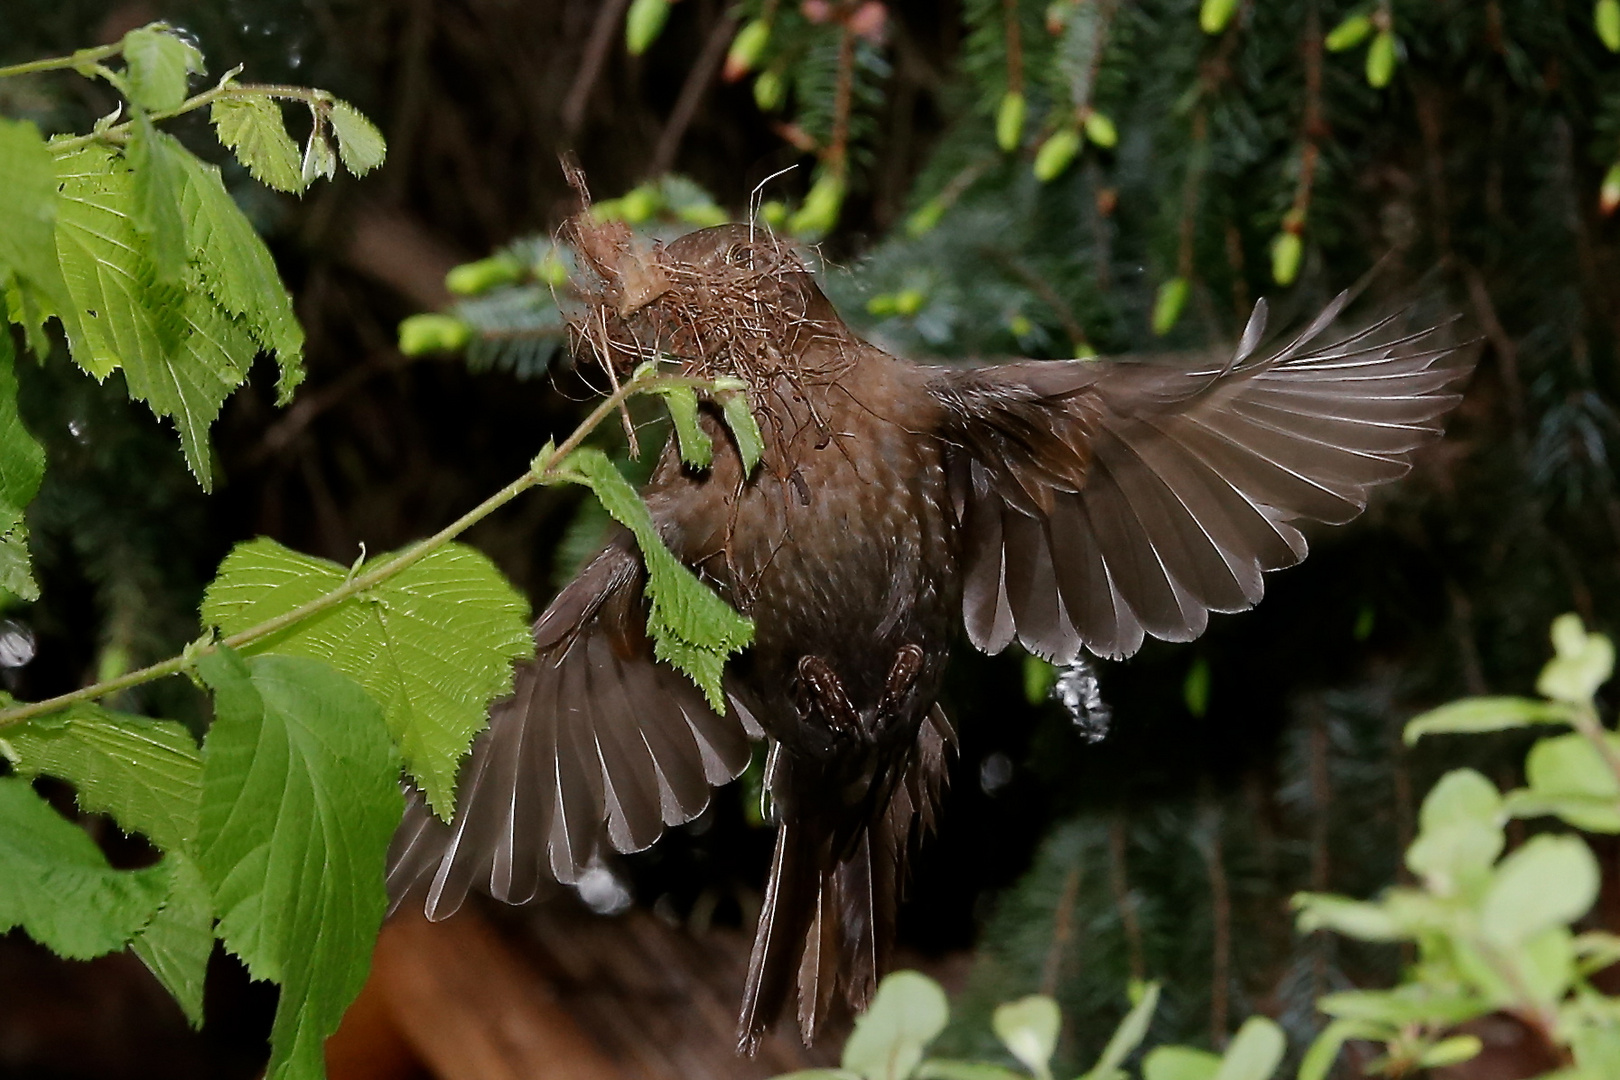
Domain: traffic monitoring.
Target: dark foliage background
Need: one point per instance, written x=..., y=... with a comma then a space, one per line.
x=1263, y=759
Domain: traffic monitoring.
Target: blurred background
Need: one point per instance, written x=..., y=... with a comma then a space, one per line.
x=1465, y=145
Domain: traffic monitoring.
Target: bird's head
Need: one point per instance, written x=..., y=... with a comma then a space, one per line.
x=728, y=300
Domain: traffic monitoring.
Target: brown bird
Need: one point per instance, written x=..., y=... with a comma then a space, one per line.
x=1066, y=505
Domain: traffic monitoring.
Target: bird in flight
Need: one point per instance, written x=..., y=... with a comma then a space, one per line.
x=1067, y=505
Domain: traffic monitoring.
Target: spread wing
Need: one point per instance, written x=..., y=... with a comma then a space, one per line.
x=1105, y=500
x=597, y=740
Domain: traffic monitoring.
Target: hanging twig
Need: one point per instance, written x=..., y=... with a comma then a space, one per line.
x=1119, y=880
x=698, y=81
x=603, y=35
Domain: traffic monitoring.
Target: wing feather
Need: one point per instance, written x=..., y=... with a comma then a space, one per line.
x=1112, y=499
x=598, y=743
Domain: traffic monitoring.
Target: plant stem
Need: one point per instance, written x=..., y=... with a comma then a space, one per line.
x=60, y=63
x=549, y=472
x=119, y=132
x=1585, y=721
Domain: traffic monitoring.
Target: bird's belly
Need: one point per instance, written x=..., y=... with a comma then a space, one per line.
x=853, y=560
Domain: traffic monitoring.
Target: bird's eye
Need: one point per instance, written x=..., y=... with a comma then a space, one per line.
x=737, y=255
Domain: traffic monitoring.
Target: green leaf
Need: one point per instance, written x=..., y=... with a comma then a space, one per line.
x=1179, y=1063
x=319, y=158
x=1010, y=122
x=433, y=644
x=1485, y=714
x=22, y=467
x=697, y=449
x=157, y=63
x=180, y=353
x=1168, y=304
x=1596, y=950
x=55, y=884
x=28, y=234
x=237, y=270
x=1550, y=881
x=359, y=142
x=1324, y=1050
x=907, y=1014
x=1128, y=1036
x=1385, y=1012
x=1583, y=662
x=252, y=126
x=1460, y=835
x=1570, y=778
x=176, y=944
x=1029, y=1028
x=946, y=1069
x=154, y=163
x=691, y=627
x=299, y=802
x=1352, y=918
x=739, y=416
x=1056, y=153
x=146, y=774
x=1255, y=1051
x=643, y=24
x=1546, y=964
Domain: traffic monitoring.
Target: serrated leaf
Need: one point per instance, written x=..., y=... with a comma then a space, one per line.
x=28, y=202
x=1486, y=714
x=237, y=270
x=176, y=944
x=433, y=644
x=1028, y=1028
x=1550, y=881
x=180, y=353
x=57, y=886
x=697, y=449
x=299, y=803
x=157, y=63
x=739, y=415
x=319, y=158
x=1255, y=1051
x=252, y=126
x=691, y=627
x=22, y=467
x=154, y=164
x=359, y=142
x=908, y=1012
x=146, y=774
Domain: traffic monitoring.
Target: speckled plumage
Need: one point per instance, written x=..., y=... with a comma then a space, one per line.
x=1060, y=504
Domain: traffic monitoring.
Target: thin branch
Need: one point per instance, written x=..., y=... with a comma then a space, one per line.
x=590, y=67
x=549, y=471
x=698, y=81
x=63, y=63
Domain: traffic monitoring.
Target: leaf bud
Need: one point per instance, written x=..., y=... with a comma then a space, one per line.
x=1286, y=250
x=1010, y=121
x=1215, y=14
x=746, y=49
x=1381, y=60
x=644, y=23
x=470, y=279
x=1056, y=153
x=420, y=335
x=1168, y=304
